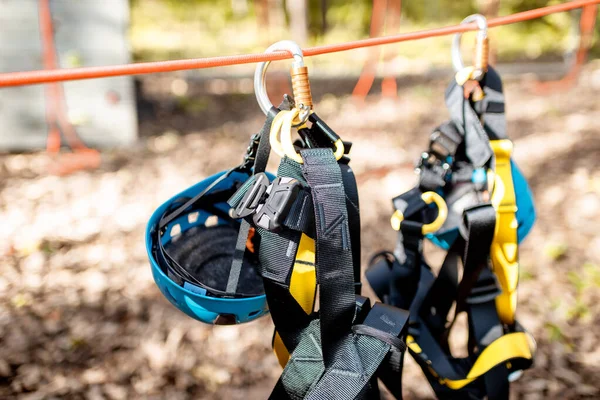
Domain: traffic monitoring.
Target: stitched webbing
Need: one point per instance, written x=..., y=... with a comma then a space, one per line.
x=333, y=247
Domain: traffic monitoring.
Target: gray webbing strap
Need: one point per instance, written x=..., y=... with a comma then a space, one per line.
x=359, y=355
x=240, y=247
x=491, y=107
x=333, y=248
x=260, y=163
x=467, y=122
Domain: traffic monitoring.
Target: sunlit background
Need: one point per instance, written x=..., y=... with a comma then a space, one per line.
x=80, y=316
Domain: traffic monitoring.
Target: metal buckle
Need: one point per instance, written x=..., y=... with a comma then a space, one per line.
x=270, y=202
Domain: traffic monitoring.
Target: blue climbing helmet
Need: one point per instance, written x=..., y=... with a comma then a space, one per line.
x=191, y=240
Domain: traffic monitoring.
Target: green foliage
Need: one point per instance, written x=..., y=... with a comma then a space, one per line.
x=438, y=11
x=525, y=275
x=554, y=332
x=195, y=28
x=592, y=271
x=579, y=310
x=578, y=281
x=556, y=251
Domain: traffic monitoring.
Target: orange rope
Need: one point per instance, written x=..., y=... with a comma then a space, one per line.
x=46, y=76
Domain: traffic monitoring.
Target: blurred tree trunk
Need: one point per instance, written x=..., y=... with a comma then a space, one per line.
x=298, y=13
x=276, y=14
x=324, y=26
x=270, y=17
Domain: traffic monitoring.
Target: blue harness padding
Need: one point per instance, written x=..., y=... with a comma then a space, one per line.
x=192, y=299
x=526, y=215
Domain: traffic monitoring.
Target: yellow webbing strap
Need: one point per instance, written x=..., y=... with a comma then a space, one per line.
x=303, y=285
x=504, y=250
x=503, y=349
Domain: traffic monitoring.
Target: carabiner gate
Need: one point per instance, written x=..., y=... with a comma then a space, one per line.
x=480, y=59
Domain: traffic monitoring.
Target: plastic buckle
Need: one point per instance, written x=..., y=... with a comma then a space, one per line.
x=281, y=195
x=442, y=145
x=253, y=196
x=435, y=164
x=270, y=202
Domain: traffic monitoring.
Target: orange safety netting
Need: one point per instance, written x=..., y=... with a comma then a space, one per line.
x=47, y=76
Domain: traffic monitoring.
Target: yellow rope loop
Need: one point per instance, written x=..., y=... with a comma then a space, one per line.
x=274, y=133
x=286, y=136
x=280, y=135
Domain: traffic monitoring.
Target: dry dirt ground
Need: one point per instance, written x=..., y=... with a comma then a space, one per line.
x=80, y=316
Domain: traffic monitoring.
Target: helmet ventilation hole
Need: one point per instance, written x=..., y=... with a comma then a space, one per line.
x=211, y=221
x=175, y=230
x=193, y=217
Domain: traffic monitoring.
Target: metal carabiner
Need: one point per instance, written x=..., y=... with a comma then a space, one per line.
x=480, y=60
x=301, y=88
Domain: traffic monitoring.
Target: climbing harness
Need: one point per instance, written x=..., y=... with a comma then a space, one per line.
x=309, y=228
x=224, y=249
x=472, y=201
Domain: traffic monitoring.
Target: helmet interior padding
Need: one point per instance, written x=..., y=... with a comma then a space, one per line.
x=207, y=253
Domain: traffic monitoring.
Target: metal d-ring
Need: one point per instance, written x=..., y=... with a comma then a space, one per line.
x=260, y=88
x=457, y=61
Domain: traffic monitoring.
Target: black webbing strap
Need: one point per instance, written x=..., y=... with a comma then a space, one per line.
x=333, y=248
x=238, y=258
x=443, y=292
x=301, y=217
x=480, y=222
x=260, y=164
x=264, y=145
x=485, y=327
x=352, y=205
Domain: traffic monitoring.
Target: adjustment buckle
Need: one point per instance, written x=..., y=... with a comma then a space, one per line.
x=442, y=144
x=483, y=292
x=431, y=161
x=253, y=196
x=270, y=202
